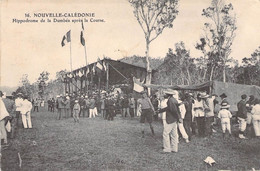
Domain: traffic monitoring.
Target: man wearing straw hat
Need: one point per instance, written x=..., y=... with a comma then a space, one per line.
x=173, y=116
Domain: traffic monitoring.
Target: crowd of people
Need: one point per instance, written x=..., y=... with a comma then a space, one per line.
x=11, y=112
x=197, y=116
x=182, y=114
x=107, y=105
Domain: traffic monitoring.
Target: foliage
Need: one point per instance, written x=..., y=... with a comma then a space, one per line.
x=154, y=16
x=250, y=69
x=178, y=67
x=218, y=37
x=42, y=79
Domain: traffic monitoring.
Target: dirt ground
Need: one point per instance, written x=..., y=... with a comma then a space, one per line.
x=98, y=144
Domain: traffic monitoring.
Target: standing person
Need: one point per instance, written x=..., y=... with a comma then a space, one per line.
x=87, y=104
x=36, y=105
x=18, y=104
x=249, y=106
x=110, y=106
x=187, y=121
x=131, y=106
x=76, y=111
x=155, y=103
x=173, y=116
x=162, y=105
x=125, y=106
x=52, y=104
x=208, y=105
x=182, y=110
x=256, y=117
x=92, y=104
x=103, y=106
x=3, y=115
x=59, y=107
x=26, y=113
x=147, y=112
x=49, y=104
x=199, y=115
x=81, y=103
x=225, y=115
x=242, y=116
x=66, y=104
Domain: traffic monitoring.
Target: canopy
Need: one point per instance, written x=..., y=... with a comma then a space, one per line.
x=232, y=90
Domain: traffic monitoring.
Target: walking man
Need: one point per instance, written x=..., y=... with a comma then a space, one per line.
x=147, y=112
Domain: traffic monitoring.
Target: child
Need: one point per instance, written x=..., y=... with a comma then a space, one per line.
x=225, y=115
x=76, y=110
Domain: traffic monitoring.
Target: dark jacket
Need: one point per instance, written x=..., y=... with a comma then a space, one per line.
x=242, y=111
x=172, y=111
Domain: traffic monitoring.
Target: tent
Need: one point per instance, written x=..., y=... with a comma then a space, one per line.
x=232, y=90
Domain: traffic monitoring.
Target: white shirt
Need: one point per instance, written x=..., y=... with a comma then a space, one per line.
x=163, y=104
x=256, y=109
x=3, y=111
x=18, y=103
x=211, y=107
x=195, y=108
x=224, y=113
x=182, y=109
x=26, y=106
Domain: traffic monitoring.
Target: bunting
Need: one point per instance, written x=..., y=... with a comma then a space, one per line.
x=137, y=85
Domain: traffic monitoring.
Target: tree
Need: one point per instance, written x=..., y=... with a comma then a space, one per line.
x=154, y=16
x=251, y=68
x=178, y=67
x=218, y=37
x=42, y=79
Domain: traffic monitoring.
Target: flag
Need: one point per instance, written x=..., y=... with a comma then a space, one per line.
x=70, y=75
x=87, y=71
x=94, y=69
x=63, y=41
x=80, y=74
x=105, y=67
x=137, y=86
x=66, y=37
x=82, y=40
x=99, y=65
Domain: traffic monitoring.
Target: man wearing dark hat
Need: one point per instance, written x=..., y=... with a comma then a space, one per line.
x=170, y=133
x=242, y=116
x=147, y=112
x=187, y=121
x=223, y=97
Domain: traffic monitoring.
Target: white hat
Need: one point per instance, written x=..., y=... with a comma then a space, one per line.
x=170, y=91
x=225, y=105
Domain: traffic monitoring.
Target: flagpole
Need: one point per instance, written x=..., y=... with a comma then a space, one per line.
x=70, y=58
x=71, y=64
x=85, y=54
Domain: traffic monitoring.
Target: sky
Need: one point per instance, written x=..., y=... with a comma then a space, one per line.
x=30, y=48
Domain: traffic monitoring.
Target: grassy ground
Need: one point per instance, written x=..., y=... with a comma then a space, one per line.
x=97, y=144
